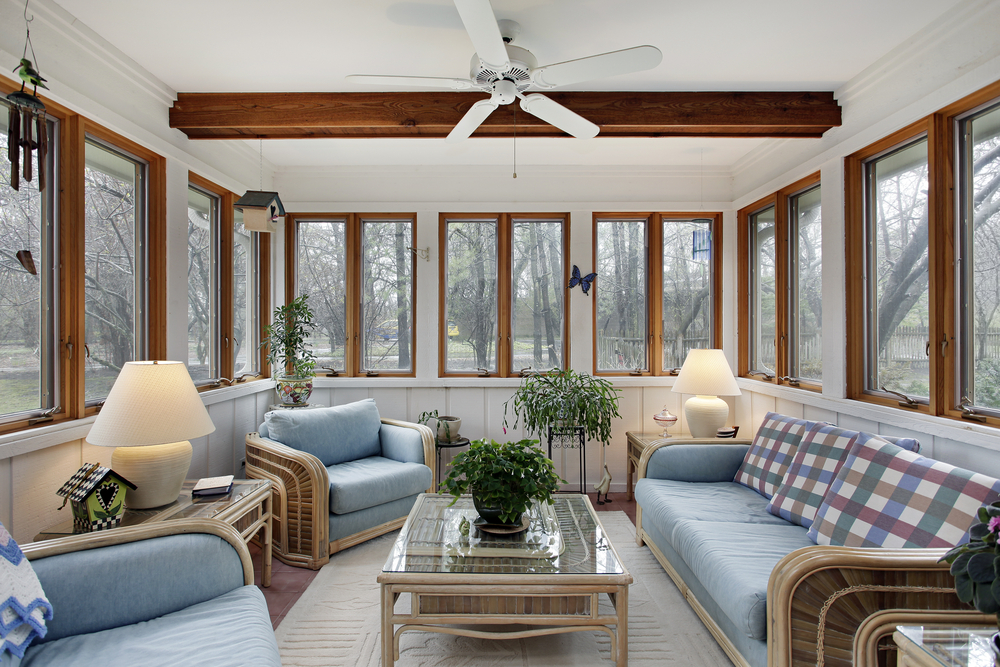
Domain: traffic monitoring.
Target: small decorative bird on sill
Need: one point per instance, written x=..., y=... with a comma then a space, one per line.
x=603, y=486
x=30, y=75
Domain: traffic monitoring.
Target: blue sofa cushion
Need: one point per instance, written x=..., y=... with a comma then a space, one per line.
x=733, y=561
x=375, y=480
x=232, y=629
x=333, y=435
x=402, y=443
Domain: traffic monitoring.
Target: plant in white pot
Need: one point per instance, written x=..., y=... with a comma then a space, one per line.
x=286, y=341
x=446, y=427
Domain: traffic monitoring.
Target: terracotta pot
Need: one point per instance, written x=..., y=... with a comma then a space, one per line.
x=293, y=390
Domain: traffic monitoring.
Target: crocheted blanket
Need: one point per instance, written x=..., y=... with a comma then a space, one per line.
x=23, y=605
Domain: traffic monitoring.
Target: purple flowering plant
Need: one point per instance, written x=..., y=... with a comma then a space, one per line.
x=976, y=564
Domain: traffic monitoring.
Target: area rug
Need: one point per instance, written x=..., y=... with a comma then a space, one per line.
x=336, y=622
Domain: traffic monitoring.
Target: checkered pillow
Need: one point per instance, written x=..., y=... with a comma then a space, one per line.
x=771, y=452
x=885, y=496
x=817, y=461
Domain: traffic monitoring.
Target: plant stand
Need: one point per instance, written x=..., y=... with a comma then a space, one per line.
x=571, y=438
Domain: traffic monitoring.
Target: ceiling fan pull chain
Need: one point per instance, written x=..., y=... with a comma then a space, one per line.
x=515, y=141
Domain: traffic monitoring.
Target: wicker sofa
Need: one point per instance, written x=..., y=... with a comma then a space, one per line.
x=768, y=593
x=340, y=475
x=171, y=593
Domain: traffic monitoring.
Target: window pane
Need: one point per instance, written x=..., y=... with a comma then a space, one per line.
x=806, y=298
x=387, y=298
x=203, y=222
x=25, y=326
x=763, y=307
x=114, y=211
x=536, y=294
x=981, y=222
x=471, y=299
x=322, y=275
x=246, y=297
x=898, y=325
x=621, y=295
x=687, y=288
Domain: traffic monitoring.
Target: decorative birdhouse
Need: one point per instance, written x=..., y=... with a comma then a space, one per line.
x=97, y=495
x=261, y=210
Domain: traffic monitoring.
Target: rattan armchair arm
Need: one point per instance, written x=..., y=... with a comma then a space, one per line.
x=820, y=598
x=300, y=502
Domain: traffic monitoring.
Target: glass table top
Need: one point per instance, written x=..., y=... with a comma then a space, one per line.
x=564, y=538
x=952, y=646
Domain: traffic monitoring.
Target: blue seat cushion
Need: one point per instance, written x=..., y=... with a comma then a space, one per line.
x=233, y=629
x=375, y=480
x=333, y=435
x=733, y=561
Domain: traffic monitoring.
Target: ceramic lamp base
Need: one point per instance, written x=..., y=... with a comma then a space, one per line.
x=158, y=472
x=705, y=415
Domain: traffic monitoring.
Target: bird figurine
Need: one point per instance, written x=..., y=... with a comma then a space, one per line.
x=30, y=75
x=603, y=486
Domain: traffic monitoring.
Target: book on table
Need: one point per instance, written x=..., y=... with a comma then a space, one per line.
x=213, y=486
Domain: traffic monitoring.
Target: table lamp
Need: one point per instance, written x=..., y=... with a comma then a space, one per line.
x=707, y=375
x=151, y=413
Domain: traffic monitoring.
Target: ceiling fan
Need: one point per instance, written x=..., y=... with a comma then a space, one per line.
x=506, y=72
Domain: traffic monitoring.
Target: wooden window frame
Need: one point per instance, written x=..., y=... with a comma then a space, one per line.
x=505, y=222
x=782, y=265
x=654, y=286
x=353, y=320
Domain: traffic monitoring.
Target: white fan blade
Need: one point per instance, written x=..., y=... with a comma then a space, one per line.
x=421, y=81
x=556, y=114
x=601, y=66
x=481, y=24
x=472, y=119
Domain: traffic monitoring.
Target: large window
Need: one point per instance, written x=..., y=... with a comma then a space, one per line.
x=923, y=223
x=226, y=266
x=781, y=287
x=656, y=290
x=358, y=272
x=502, y=299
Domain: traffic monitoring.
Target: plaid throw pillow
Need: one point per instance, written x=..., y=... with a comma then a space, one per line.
x=771, y=452
x=885, y=496
x=817, y=461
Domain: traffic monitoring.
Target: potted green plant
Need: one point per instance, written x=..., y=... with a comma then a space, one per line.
x=504, y=478
x=975, y=567
x=288, y=348
x=562, y=400
x=446, y=427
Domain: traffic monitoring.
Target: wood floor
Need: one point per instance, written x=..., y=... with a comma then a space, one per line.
x=288, y=583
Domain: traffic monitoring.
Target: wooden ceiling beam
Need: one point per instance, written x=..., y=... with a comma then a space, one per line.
x=618, y=114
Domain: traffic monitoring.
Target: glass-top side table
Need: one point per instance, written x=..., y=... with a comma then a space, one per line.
x=942, y=646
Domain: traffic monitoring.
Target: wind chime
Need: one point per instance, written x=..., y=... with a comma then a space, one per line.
x=26, y=126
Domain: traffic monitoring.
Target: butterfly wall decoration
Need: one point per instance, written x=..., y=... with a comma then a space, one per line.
x=583, y=281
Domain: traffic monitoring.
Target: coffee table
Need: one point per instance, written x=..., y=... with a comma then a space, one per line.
x=551, y=575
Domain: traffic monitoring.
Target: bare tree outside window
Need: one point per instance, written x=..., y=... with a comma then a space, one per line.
x=980, y=193
x=387, y=294
x=763, y=294
x=203, y=223
x=21, y=289
x=899, y=326
x=537, y=294
x=806, y=299
x=621, y=290
x=322, y=275
x=687, y=288
x=113, y=214
x=471, y=295
x=246, y=297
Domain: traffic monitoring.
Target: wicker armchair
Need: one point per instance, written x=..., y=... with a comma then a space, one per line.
x=302, y=513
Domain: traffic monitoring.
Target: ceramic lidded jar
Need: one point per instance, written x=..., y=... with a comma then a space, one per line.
x=665, y=419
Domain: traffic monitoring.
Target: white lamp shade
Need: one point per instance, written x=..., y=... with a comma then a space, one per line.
x=151, y=403
x=706, y=373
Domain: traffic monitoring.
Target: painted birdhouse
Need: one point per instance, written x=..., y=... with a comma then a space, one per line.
x=97, y=495
x=261, y=210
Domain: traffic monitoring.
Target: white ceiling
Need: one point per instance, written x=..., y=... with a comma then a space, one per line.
x=311, y=45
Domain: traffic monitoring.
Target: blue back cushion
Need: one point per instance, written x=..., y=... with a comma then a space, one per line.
x=333, y=435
